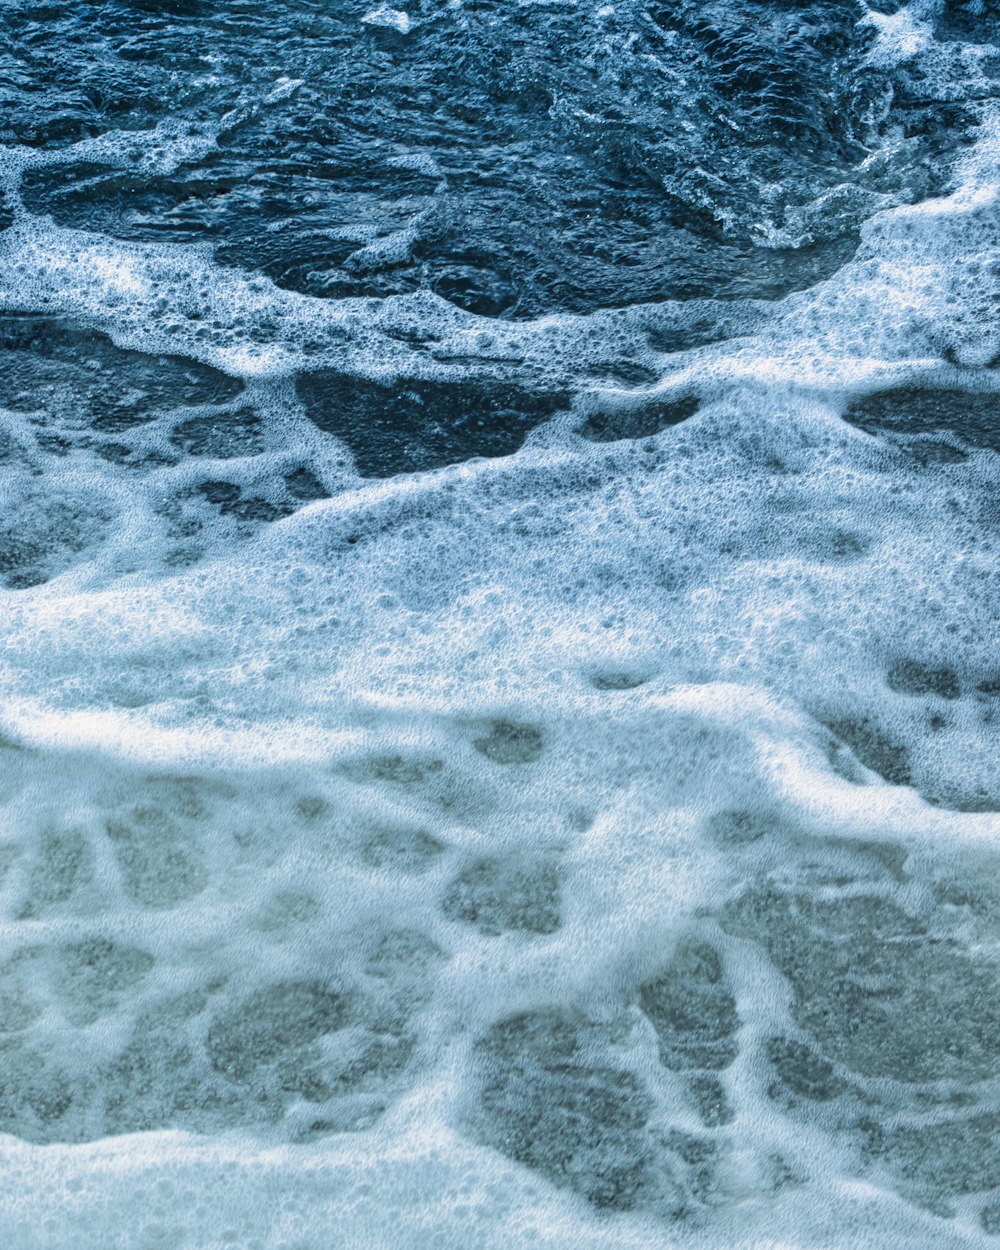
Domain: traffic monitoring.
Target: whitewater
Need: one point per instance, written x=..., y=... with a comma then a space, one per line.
x=499, y=683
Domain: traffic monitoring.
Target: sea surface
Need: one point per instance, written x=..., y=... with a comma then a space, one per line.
x=499, y=619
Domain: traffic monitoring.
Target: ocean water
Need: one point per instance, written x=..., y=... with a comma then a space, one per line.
x=499, y=686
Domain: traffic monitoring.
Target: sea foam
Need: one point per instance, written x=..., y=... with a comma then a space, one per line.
x=583, y=839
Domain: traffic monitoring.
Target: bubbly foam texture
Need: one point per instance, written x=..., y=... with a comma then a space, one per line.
x=582, y=834
x=250, y=966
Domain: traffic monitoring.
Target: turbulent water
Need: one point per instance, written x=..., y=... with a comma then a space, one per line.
x=499, y=694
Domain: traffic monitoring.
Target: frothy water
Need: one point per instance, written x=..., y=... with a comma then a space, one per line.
x=500, y=691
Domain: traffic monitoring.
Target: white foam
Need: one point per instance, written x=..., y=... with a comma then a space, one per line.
x=259, y=769
x=397, y=19
x=433, y=1190
x=902, y=35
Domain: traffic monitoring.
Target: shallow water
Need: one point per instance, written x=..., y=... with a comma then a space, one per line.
x=498, y=572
